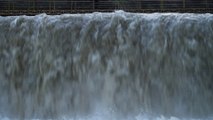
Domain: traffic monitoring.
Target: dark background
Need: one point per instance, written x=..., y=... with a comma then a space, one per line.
x=102, y=5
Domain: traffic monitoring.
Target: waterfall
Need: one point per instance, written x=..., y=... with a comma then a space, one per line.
x=121, y=64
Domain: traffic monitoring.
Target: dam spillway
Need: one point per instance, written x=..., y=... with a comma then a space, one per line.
x=115, y=65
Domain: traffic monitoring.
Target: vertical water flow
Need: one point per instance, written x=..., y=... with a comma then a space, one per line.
x=75, y=65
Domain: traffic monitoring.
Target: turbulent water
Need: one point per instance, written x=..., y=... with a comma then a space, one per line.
x=104, y=66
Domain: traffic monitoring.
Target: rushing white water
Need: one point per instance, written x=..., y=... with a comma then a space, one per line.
x=103, y=66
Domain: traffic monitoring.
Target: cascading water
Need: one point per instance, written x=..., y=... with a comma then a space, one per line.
x=107, y=66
